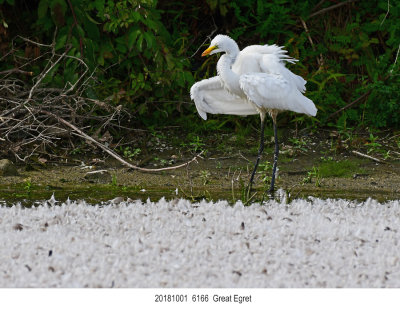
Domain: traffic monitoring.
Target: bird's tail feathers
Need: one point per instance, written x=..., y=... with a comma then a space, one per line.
x=305, y=106
x=282, y=55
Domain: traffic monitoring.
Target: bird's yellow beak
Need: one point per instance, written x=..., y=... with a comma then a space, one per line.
x=208, y=50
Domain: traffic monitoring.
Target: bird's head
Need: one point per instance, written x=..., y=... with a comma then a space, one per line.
x=222, y=43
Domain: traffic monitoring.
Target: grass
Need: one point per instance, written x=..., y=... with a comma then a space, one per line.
x=345, y=168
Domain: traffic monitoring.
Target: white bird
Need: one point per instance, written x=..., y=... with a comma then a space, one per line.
x=252, y=81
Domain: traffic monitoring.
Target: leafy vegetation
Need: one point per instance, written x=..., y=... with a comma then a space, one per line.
x=313, y=174
x=345, y=168
x=143, y=54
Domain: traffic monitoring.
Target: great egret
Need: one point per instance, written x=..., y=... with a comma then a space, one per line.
x=252, y=81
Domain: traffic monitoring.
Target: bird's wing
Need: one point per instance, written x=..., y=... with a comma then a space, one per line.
x=274, y=91
x=268, y=59
x=271, y=63
x=210, y=97
x=275, y=50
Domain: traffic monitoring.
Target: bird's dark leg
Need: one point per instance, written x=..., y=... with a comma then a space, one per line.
x=276, y=153
x=260, y=150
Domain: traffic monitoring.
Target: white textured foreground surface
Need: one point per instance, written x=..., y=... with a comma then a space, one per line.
x=315, y=243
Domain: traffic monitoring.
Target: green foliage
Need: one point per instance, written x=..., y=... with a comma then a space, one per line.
x=114, y=182
x=299, y=144
x=265, y=171
x=343, y=168
x=313, y=174
x=205, y=177
x=145, y=53
x=28, y=185
x=373, y=145
x=129, y=152
x=125, y=45
x=353, y=53
x=10, y=2
x=195, y=143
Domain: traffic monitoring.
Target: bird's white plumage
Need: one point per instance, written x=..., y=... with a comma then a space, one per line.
x=254, y=80
x=270, y=91
x=210, y=97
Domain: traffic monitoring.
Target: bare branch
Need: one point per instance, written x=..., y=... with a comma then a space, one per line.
x=43, y=75
x=34, y=43
x=321, y=59
x=32, y=116
x=112, y=153
x=201, y=45
x=76, y=24
x=367, y=156
x=331, y=8
x=209, y=37
x=318, y=5
x=397, y=55
x=350, y=104
x=16, y=70
x=387, y=13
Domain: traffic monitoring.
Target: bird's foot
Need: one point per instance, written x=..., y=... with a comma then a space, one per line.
x=271, y=192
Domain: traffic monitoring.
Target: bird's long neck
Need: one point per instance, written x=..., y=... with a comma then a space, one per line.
x=229, y=78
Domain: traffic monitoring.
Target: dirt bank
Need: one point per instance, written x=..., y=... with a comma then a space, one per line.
x=307, y=166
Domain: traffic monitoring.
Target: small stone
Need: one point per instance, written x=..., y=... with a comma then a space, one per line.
x=236, y=272
x=264, y=271
x=7, y=168
x=18, y=227
x=100, y=176
x=117, y=200
x=233, y=138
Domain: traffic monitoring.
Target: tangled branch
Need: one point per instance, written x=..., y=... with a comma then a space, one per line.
x=36, y=116
x=22, y=126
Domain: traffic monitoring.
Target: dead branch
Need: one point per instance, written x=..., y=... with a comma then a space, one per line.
x=82, y=75
x=16, y=70
x=397, y=56
x=320, y=60
x=75, y=24
x=387, y=13
x=318, y=5
x=367, y=156
x=33, y=117
x=331, y=8
x=350, y=104
x=43, y=75
x=23, y=127
x=33, y=42
x=209, y=38
x=112, y=153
